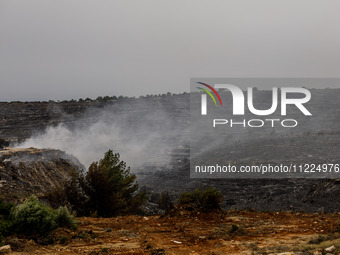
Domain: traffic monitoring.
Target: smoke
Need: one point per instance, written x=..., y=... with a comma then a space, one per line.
x=143, y=132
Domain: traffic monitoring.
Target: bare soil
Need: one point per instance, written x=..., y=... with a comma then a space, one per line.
x=192, y=233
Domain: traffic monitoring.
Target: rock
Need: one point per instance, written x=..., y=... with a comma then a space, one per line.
x=6, y=249
x=178, y=242
x=330, y=249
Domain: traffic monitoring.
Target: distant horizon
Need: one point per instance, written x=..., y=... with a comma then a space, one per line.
x=129, y=97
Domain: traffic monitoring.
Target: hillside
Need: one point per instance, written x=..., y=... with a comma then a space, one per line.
x=152, y=134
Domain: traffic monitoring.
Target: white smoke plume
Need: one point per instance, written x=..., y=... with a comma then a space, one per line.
x=141, y=133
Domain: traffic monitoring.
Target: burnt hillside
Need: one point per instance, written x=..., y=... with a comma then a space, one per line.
x=167, y=119
x=21, y=120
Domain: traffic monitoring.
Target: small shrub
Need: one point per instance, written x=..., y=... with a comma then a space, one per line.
x=318, y=239
x=5, y=208
x=5, y=228
x=65, y=219
x=219, y=232
x=104, y=250
x=63, y=240
x=5, y=224
x=92, y=234
x=137, y=201
x=165, y=201
x=33, y=217
x=223, y=231
x=202, y=200
x=80, y=235
x=236, y=230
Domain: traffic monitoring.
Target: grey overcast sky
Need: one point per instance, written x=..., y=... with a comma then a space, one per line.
x=79, y=48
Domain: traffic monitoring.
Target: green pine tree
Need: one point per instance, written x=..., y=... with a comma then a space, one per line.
x=112, y=188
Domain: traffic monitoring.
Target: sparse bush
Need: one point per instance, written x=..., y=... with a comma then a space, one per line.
x=33, y=217
x=165, y=201
x=201, y=200
x=65, y=219
x=319, y=239
x=5, y=228
x=223, y=231
x=5, y=224
x=234, y=229
x=81, y=235
x=5, y=208
x=64, y=240
x=137, y=202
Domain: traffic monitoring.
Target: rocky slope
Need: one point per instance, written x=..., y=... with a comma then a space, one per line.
x=32, y=171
